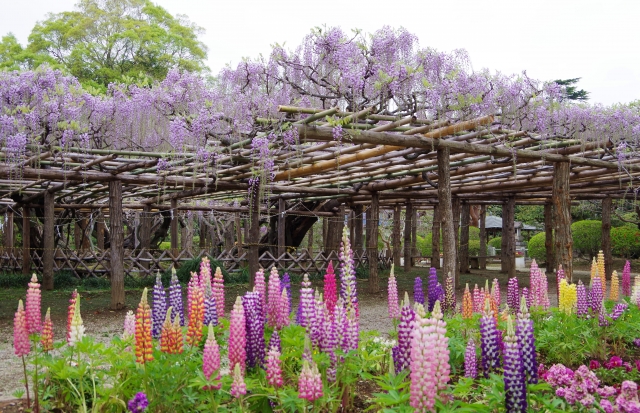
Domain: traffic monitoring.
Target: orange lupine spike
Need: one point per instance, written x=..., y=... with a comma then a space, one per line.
x=196, y=317
x=144, y=342
x=467, y=303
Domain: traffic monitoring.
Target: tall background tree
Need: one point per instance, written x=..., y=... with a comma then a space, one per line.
x=105, y=41
x=570, y=89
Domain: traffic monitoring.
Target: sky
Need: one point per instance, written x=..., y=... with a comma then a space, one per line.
x=595, y=40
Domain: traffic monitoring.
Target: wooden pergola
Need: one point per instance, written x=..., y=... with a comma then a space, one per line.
x=378, y=163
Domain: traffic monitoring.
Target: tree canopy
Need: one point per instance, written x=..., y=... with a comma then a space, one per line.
x=110, y=41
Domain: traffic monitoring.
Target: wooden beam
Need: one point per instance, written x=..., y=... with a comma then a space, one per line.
x=606, y=238
x=48, y=242
x=562, y=218
x=372, y=243
x=446, y=215
x=116, y=245
x=26, y=242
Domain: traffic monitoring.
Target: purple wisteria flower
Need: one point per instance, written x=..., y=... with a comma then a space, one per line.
x=159, y=310
x=175, y=297
x=139, y=403
x=255, y=321
x=418, y=294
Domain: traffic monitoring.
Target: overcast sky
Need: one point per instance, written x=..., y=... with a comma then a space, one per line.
x=596, y=40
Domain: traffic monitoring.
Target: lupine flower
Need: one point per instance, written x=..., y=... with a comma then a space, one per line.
x=177, y=340
x=196, y=316
x=449, y=295
x=237, y=336
x=211, y=359
x=568, y=297
x=348, y=284
x=489, y=341
x=205, y=272
x=159, y=310
x=210, y=308
x=21, y=344
x=175, y=296
x=274, y=341
x=581, y=299
x=477, y=300
x=275, y=295
x=429, y=360
x=514, y=378
x=392, y=296
x=138, y=404
x=470, y=360
x=261, y=288
x=77, y=327
x=218, y=291
x=309, y=382
x=402, y=351
x=285, y=284
x=495, y=292
x=626, y=279
x=255, y=345
x=47, y=332
x=144, y=342
x=527, y=342
x=238, y=386
x=274, y=371
x=594, y=270
x=165, y=333
x=70, y=311
x=467, y=303
x=601, y=272
x=596, y=295
x=340, y=317
x=559, y=277
x=284, y=311
x=432, y=288
x=330, y=289
x=33, y=310
x=418, y=294
x=129, y=329
x=305, y=307
x=329, y=343
x=194, y=282
x=352, y=330
x=527, y=296
x=513, y=294
x=316, y=318
x=617, y=311
x=614, y=294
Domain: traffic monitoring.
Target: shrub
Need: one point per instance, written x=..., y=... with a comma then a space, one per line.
x=496, y=242
x=536, y=247
x=625, y=241
x=587, y=237
x=423, y=244
x=474, y=248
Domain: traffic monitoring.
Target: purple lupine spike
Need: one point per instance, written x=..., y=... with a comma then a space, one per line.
x=175, y=296
x=306, y=302
x=315, y=321
x=596, y=296
x=402, y=351
x=515, y=386
x=159, y=310
x=439, y=294
x=513, y=296
x=329, y=343
x=602, y=318
x=418, y=294
x=527, y=296
x=285, y=284
x=432, y=290
x=210, y=309
x=617, y=311
x=340, y=315
x=352, y=330
x=449, y=296
x=489, y=342
x=527, y=341
x=495, y=292
x=274, y=341
x=470, y=360
x=582, y=304
x=626, y=279
x=261, y=288
x=255, y=322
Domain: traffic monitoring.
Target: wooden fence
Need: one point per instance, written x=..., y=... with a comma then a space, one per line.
x=96, y=263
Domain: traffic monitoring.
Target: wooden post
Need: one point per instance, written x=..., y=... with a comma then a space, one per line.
x=446, y=216
x=352, y=227
x=145, y=235
x=435, y=237
x=464, y=239
x=396, y=236
x=339, y=226
x=238, y=234
x=562, y=218
x=606, y=237
x=310, y=241
x=48, y=242
x=117, y=245
x=455, y=209
x=372, y=242
x=281, y=229
x=508, y=252
x=100, y=232
x=357, y=224
x=8, y=233
x=85, y=243
x=77, y=232
x=174, y=230
x=482, y=262
x=26, y=241
x=254, y=236
x=414, y=237
x=325, y=234
x=408, y=217
x=548, y=237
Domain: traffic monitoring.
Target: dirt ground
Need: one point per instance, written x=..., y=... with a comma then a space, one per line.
x=104, y=324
